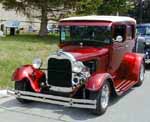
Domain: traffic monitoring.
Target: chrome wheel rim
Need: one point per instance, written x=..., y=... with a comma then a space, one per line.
x=142, y=73
x=105, y=96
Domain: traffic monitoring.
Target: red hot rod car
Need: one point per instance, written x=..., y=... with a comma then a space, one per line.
x=95, y=61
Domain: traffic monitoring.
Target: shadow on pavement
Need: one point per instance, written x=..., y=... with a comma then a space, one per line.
x=116, y=99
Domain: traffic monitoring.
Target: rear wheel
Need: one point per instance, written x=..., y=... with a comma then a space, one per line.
x=102, y=99
x=23, y=86
x=141, y=75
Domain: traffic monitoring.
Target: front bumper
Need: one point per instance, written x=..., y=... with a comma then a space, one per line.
x=46, y=98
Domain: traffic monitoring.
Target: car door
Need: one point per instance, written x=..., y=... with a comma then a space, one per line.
x=119, y=48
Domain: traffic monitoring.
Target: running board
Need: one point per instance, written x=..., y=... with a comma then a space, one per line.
x=124, y=86
x=58, y=100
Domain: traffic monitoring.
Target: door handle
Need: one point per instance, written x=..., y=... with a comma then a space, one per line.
x=127, y=46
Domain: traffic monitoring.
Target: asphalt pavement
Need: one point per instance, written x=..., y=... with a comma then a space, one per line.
x=134, y=106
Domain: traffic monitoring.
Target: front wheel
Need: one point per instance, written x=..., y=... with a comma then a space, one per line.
x=23, y=86
x=102, y=99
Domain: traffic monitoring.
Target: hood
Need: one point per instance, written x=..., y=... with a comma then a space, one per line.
x=82, y=53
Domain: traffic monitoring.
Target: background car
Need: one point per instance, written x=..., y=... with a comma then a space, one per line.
x=52, y=28
x=143, y=40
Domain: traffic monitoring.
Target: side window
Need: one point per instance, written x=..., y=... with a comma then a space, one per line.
x=130, y=32
x=147, y=30
x=120, y=30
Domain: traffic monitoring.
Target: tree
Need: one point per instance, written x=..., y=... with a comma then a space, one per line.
x=104, y=7
x=42, y=9
x=141, y=11
x=146, y=11
x=115, y=7
x=87, y=7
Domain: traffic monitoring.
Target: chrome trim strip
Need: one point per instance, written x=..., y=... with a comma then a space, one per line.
x=130, y=85
x=62, y=55
x=68, y=55
x=70, y=102
x=124, y=84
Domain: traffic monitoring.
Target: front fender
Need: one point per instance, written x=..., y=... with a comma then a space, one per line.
x=96, y=81
x=30, y=73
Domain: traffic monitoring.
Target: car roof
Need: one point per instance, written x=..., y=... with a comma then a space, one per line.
x=100, y=18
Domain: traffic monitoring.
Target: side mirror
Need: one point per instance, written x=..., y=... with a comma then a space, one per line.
x=119, y=39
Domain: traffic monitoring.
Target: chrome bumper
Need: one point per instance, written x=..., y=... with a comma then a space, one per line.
x=58, y=100
x=147, y=61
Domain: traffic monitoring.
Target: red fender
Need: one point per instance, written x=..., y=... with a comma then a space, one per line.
x=96, y=81
x=135, y=69
x=130, y=66
x=30, y=73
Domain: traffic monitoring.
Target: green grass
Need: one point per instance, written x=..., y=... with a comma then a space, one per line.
x=22, y=49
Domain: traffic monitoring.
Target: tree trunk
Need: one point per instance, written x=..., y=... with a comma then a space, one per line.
x=44, y=20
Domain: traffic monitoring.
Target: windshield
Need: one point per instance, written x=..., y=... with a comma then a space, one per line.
x=143, y=30
x=86, y=34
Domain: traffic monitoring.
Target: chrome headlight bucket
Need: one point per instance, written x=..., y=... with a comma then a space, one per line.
x=80, y=73
x=37, y=63
x=77, y=66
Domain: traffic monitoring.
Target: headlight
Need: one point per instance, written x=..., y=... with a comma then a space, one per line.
x=146, y=53
x=77, y=67
x=147, y=43
x=37, y=62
